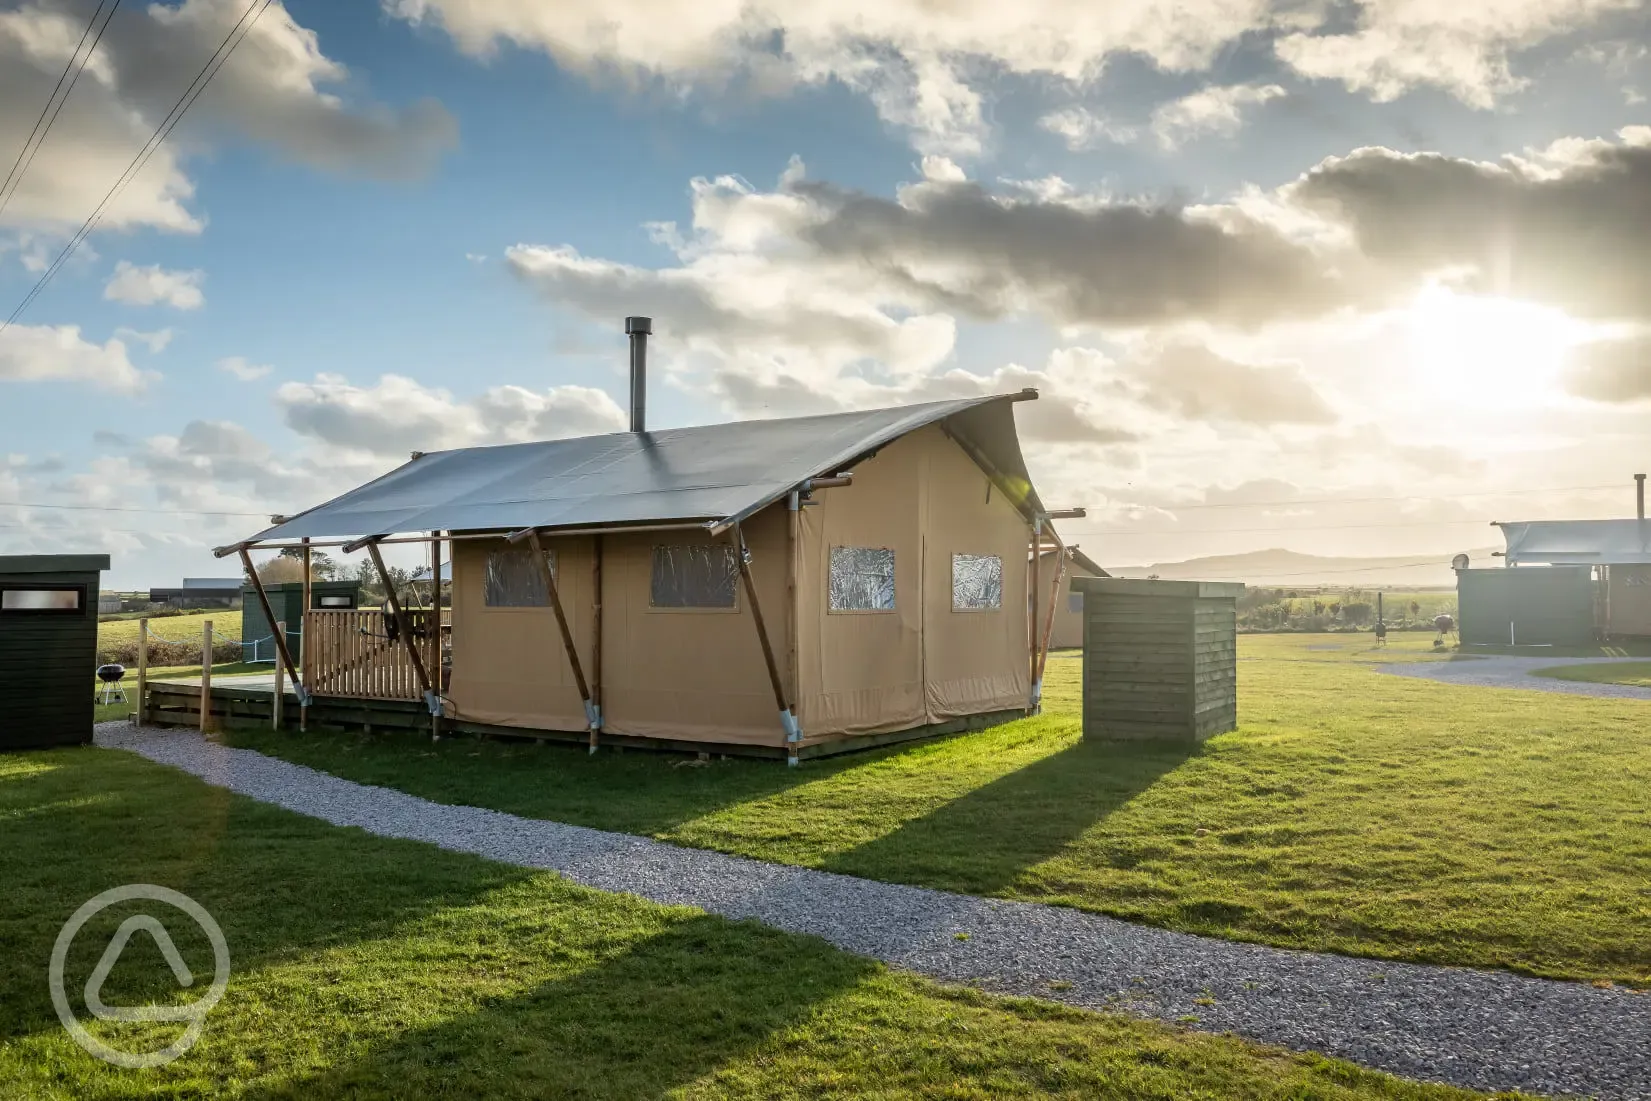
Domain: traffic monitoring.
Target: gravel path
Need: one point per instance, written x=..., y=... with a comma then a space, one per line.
x=1473, y=1028
x=1517, y=672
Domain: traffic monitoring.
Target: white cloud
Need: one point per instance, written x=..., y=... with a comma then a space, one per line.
x=154, y=285
x=1082, y=128
x=277, y=91
x=1466, y=49
x=924, y=66
x=240, y=368
x=398, y=415
x=30, y=353
x=1209, y=111
x=155, y=340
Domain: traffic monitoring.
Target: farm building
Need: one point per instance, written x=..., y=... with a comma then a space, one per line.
x=792, y=586
x=201, y=592
x=1066, y=633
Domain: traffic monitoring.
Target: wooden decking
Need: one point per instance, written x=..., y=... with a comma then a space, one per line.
x=245, y=700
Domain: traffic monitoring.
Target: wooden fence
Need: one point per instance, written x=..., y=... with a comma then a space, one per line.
x=353, y=653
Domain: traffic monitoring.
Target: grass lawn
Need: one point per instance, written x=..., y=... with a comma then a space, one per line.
x=370, y=968
x=1351, y=812
x=1635, y=673
x=226, y=623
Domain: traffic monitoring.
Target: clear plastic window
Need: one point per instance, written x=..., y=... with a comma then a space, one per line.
x=701, y=575
x=1074, y=602
x=977, y=582
x=861, y=579
x=514, y=580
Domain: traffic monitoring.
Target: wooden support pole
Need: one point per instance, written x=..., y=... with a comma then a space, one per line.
x=435, y=628
x=282, y=654
x=143, y=671
x=549, y=576
x=400, y=617
x=793, y=521
x=1054, y=602
x=280, y=698
x=788, y=719
x=1032, y=613
x=206, y=676
x=304, y=644
x=596, y=637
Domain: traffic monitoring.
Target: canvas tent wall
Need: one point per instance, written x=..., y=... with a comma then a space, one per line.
x=939, y=491
x=697, y=674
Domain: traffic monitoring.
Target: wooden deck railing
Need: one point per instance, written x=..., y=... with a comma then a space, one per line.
x=352, y=654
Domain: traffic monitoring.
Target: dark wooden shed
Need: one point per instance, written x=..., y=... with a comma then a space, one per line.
x=48, y=648
x=286, y=600
x=1160, y=658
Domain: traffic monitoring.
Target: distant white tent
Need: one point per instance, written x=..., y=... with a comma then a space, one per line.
x=1578, y=542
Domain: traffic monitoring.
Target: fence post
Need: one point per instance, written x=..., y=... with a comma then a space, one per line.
x=280, y=683
x=143, y=670
x=206, y=676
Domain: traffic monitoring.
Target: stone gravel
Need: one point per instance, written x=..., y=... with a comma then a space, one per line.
x=1517, y=672
x=1489, y=1030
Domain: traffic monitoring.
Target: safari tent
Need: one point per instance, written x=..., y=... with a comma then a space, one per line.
x=1066, y=632
x=789, y=586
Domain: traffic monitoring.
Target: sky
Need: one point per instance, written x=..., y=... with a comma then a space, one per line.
x=1347, y=277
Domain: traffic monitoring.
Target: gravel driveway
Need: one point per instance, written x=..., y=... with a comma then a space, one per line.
x=1473, y=1028
x=1517, y=672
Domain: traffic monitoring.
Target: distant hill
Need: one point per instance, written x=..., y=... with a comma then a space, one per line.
x=1282, y=569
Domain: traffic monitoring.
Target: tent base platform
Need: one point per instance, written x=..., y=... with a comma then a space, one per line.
x=247, y=700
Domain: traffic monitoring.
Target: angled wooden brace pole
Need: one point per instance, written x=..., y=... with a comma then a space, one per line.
x=281, y=649
x=1049, y=620
x=592, y=716
x=431, y=700
x=788, y=717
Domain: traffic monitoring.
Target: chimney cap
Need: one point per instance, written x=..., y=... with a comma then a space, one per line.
x=643, y=325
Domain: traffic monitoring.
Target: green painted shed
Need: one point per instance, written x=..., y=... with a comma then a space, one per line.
x=1160, y=658
x=1526, y=606
x=48, y=648
x=286, y=600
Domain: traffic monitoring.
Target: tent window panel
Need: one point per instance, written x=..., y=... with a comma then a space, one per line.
x=704, y=575
x=515, y=581
x=861, y=579
x=1074, y=602
x=977, y=582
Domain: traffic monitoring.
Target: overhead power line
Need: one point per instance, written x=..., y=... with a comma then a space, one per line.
x=237, y=34
x=48, y=113
x=1370, y=500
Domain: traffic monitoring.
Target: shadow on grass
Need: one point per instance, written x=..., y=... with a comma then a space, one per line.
x=673, y=1008
x=279, y=884
x=636, y=791
x=982, y=842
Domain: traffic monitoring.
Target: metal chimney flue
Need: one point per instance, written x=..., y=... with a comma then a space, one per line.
x=638, y=328
x=1639, y=495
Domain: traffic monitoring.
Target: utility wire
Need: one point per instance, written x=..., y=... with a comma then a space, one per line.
x=167, y=125
x=43, y=124
x=1367, y=500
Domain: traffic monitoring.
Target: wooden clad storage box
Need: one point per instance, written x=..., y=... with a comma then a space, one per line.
x=48, y=648
x=1160, y=658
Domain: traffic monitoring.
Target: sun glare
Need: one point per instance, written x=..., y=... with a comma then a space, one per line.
x=1490, y=351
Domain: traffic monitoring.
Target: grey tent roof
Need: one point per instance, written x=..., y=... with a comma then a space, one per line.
x=713, y=473
x=1578, y=542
